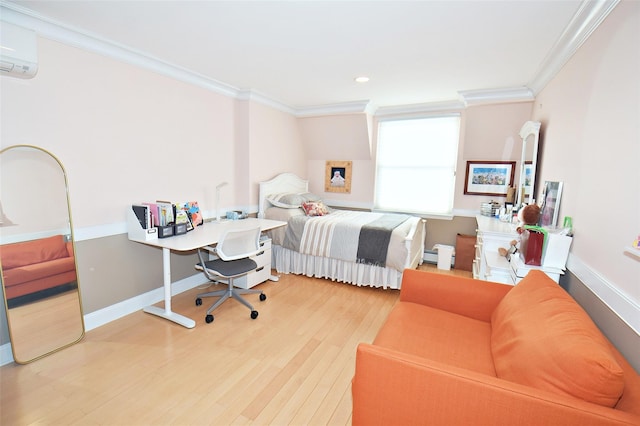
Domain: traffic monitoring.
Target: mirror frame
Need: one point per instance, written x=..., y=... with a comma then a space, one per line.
x=75, y=262
x=530, y=128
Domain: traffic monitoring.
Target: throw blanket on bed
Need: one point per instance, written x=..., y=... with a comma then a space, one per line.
x=373, y=243
x=347, y=235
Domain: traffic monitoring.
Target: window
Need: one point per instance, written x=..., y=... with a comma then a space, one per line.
x=416, y=164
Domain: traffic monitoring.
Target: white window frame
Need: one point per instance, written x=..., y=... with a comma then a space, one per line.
x=444, y=170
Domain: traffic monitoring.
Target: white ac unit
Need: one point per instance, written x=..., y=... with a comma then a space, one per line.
x=18, y=51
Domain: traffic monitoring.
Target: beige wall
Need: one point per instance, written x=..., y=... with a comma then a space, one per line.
x=590, y=115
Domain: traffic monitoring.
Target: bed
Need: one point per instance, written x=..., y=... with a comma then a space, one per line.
x=356, y=247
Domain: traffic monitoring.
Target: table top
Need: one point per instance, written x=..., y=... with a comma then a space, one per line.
x=208, y=234
x=493, y=225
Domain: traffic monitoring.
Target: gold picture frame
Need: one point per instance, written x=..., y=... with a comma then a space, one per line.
x=337, y=177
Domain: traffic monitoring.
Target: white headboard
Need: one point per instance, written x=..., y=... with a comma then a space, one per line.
x=285, y=182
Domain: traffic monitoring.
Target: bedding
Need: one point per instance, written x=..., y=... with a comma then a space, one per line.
x=352, y=236
x=356, y=247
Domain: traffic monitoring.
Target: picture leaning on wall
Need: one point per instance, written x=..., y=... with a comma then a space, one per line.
x=550, y=209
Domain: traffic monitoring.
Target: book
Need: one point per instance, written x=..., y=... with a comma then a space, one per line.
x=183, y=217
x=193, y=210
x=155, y=217
x=166, y=213
x=143, y=215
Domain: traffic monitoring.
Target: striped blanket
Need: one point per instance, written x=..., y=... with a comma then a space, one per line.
x=361, y=237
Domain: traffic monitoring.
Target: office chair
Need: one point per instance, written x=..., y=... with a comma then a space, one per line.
x=233, y=251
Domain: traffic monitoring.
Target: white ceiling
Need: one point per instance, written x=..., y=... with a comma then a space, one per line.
x=307, y=53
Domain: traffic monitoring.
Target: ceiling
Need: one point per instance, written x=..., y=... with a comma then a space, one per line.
x=307, y=53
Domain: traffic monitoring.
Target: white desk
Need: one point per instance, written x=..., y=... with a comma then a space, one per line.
x=205, y=235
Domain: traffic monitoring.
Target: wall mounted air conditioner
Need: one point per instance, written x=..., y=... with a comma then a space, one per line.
x=18, y=51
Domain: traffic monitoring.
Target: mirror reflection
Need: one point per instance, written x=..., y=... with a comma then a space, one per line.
x=37, y=254
x=530, y=133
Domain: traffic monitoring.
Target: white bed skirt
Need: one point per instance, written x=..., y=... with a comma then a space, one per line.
x=291, y=262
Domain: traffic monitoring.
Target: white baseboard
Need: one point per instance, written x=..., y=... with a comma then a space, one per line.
x=6, y=356
x=121, y=309
x=129, y=306
x=623, y=306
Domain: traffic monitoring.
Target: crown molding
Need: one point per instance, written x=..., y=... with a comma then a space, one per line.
x=440, y=107
x=589, y=16
x=63, y=33
x=584, y=22
x=354, y=107
x=252, y=95
x=495, y=96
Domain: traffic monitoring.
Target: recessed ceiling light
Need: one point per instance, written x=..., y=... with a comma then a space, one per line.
x=361, y=79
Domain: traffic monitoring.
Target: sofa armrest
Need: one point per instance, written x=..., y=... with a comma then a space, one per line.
x=460, y=295
x=390, y=387
x=70, y=248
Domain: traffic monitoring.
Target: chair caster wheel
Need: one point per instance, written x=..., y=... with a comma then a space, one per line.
x=263, y=297
x=198, y=301
x=254, y=314
x=208, y=318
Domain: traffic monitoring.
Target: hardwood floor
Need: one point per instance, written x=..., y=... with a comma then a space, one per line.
x=292, y=365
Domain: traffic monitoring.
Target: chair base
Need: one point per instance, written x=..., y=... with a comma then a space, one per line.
x=229, y=292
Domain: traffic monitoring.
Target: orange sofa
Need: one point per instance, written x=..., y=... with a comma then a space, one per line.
x=31, y=266
x=458, y=351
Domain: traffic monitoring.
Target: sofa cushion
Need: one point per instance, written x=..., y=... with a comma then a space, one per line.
x=37, y=271
x=32, y=252
x=542, y=338
x=439, y=336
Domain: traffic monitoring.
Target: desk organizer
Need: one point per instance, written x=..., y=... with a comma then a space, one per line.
x=165, y=231
x=180, y=228
x=136, y=231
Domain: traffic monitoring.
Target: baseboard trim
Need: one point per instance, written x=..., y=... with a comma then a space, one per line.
x=624, y=307
x=111, y=313
x=129, y=306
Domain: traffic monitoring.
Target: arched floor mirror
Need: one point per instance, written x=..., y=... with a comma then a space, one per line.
x=530, y=134
x=37, y=254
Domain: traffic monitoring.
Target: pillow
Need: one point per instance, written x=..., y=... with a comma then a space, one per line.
x=315, y=208
x=541, y=337
x=276, y=213
x=287, y=200
x=308, y=196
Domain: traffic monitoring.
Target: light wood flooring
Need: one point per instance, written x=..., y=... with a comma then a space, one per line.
x=292, y=365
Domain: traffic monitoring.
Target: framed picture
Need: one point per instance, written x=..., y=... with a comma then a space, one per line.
x=528, y=177
x=489, y=177
x=551, y=194
x=337, y=176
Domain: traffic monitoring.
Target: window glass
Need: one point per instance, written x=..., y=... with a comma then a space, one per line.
x=416, y=163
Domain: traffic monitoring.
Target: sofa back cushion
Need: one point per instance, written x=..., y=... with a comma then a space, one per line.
x=32, y=252
x=541, y=337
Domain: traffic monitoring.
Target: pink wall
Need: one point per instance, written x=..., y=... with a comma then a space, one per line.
x=128, y=135
x=344, y=137
x=591, y=123
x=275, y=147
x=489, y=132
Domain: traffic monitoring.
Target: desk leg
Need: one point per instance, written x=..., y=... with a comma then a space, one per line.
x=167, y=313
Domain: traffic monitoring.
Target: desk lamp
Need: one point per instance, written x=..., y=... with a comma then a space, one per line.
x=218, y=199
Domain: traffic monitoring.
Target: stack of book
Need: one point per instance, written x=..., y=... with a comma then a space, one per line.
x=169, y=218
